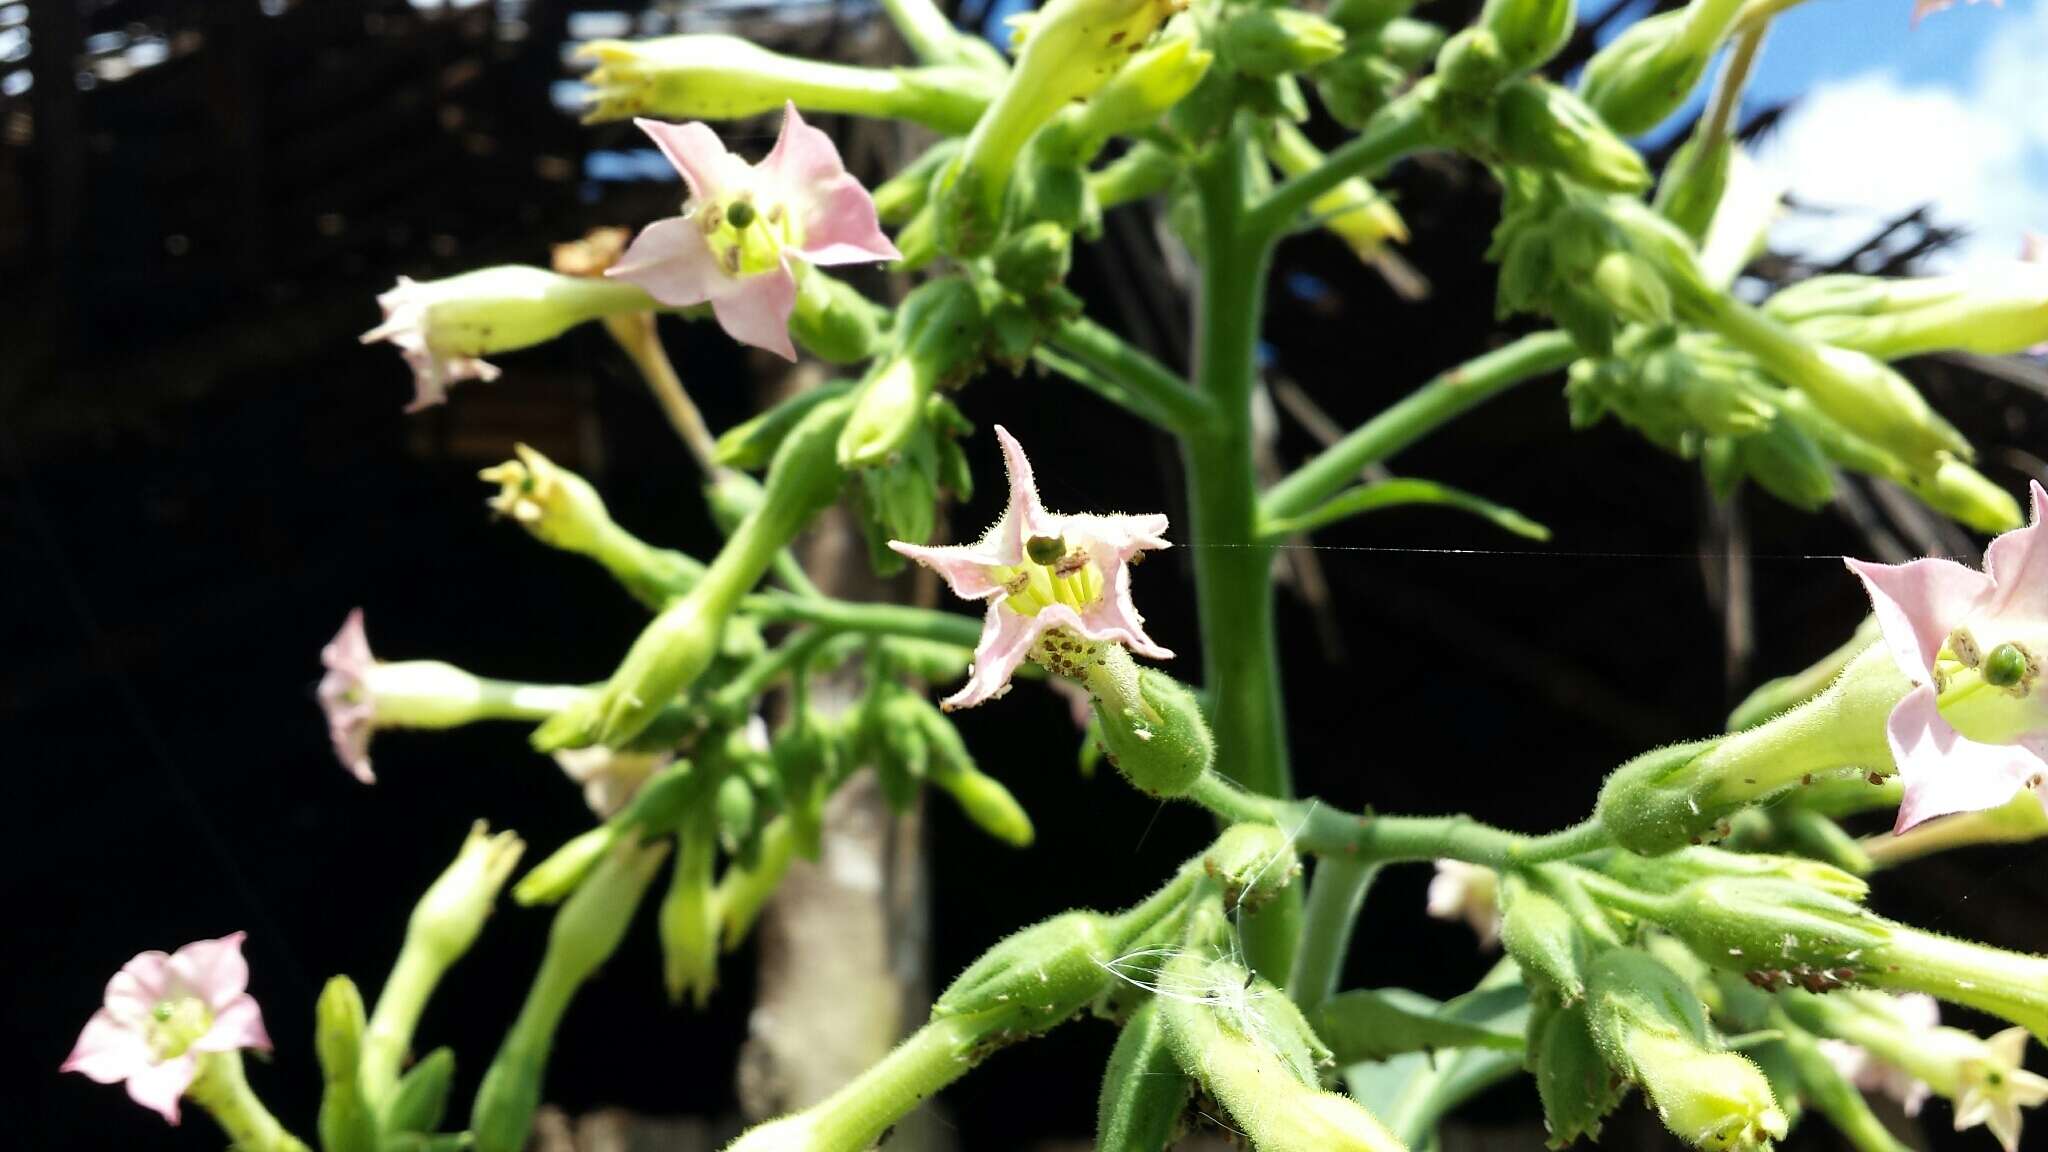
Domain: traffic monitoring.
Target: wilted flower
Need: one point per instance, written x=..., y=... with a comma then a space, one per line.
x=405, y=327
x=733, y=244
x=609, y=776
x=162, y=1013
x=1972, y=733
x=1044, y=575
x=344, y=696
x=1468, y=892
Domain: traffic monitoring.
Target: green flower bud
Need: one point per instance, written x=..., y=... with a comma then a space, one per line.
x=551, y=880
x=710, y=77
x=346, y=1122
x=1254, y=863
x=1042, y=974
x=1359, y=18
x=1651, y=1028
x=1144, y=1091
x=1155, y=735
x=449, y=917
x=834, y=322
x=1674, y=871
x=1665, y=799
x=420, y=1102
x=1141, y=92
x=1529, y=32
x=1269, y=42
x=689, y=919
x=1959, y=491
x=1356, y=85
x=1540, y=125
x=1410, y=44
x=1785, y=463
x=1573, y=1080
x=990, y=805
x=1993, y=312
x=1647, y=72
x=1543, y=937
x=1034, y=258
x=1777, y=932
x=936, y=337
x=1691, y=187
x=1472, y=63
x=752, y=444
x=1072, y=49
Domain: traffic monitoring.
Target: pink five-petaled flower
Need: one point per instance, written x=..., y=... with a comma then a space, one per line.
x=405, y=328
x=161, y=1013
x=741, y=225
x=1039, y=572
x=1943, y=621
x=345, y=696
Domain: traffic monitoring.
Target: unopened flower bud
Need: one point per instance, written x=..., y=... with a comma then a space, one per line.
x=1471, y=63
x=1270, y=42
x=449, y=917
x=1538, y=124
x=1141, y=92
x=1644, y=74
x=1072, y=49
x=1467, y=892
x=347, y=1122
x=1044, y=973
x=833, y=321
x=1035, y=258
x=1253, y=862
x=1358, y=84
x=1357, y=213
x=1652, y=1029
x=937, y=333
x=1959, y=491
x=1543, y=937
x=1671, y=872
x=1993, y=311
x=688, y=923
x=1690, y=190
x=1529, y=32
x=1786, y=463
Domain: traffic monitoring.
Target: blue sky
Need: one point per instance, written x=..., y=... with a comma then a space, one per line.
x=1953, y=110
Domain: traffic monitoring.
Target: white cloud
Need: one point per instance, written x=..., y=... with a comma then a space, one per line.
x=1873, y=148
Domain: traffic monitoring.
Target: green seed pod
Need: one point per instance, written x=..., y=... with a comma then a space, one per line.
x=1160, y=743
x=1044, y=973
x=1254, y=863
x=347, y=1123
x=1144, y=1091
x=420, y=1102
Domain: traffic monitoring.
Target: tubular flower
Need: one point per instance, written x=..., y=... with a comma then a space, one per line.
x=1974, y=731
x=162, y=1013
x=344, y=696
x=742, y=224
x=405, y=327
x=1055, y=585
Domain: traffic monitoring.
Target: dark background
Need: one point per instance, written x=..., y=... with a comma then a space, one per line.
x=201, y=472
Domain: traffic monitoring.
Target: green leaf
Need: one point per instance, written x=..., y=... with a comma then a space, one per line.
x=1375, y=1024
x=1396, y=493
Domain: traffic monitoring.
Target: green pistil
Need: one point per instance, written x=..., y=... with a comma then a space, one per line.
x=176, y=1024
x=2007, y=666
x=747, y=238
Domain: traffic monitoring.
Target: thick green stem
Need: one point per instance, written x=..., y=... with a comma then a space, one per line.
x=1334, y=898
x=223, y=1090
x=1450, y=395
x=858, y=1115
x=1233, y=574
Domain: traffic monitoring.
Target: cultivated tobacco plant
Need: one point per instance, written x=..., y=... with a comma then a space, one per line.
x=1701, y=938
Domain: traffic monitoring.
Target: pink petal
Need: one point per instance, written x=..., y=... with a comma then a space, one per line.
x=1918, y=604
x=158, y=1087
x=237, y=1025
x=838, y=221
x=963, y=567
x=433, y=375
x=344, y=697
x=1115, y=617
x=1946, y=773
x=2017, y=562
x=1024, y=517
x=1006, y=640
x=213, y=970
x=107, y=1050
x=697, y=153
x=756, y=311
x=135, y=991
x=673, y=262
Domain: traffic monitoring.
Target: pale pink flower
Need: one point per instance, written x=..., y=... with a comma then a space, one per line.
x=1042, y=572
x=162, y=1013
x=1924, y=8
x=345, y=696
x=741, y=225
x=405, y=328
x=1915, y=1012
x=1468, y=892
x=1942, y=620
